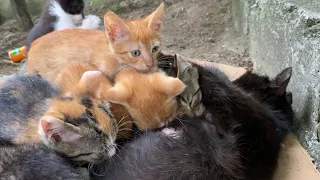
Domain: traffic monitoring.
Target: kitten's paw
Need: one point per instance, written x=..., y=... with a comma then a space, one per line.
x=91, y=22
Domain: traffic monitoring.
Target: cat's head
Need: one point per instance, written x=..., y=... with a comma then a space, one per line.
x=79, y=125
x=168, y=63
x=72, y=7
x=137, y=42
x=191, y=99
x=271, y=91
x=149, y=98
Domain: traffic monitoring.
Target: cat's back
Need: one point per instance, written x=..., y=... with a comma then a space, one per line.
x=33, y=162
x=19, y=91
x=178, y=153
x=51, y=52
x=22, y=97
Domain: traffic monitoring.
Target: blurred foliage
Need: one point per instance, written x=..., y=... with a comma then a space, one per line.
x=94, y=1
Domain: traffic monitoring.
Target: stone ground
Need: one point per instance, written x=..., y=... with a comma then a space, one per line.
x=193, y=28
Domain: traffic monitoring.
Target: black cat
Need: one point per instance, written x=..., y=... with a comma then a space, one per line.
x=261, y=129
x=239, y=138
x=186, y=149
x=271, y=92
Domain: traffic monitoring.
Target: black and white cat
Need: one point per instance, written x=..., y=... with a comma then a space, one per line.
x=59, y=15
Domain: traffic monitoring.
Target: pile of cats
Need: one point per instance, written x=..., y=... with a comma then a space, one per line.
x=110, y=105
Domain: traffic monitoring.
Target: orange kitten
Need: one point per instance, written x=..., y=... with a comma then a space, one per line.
x=134, y=43
x=72, y=75
x=149, y=98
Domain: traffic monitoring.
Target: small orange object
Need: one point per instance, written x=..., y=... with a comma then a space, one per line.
x=17, y=55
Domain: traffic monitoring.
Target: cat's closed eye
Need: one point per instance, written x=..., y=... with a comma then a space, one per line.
x=196, y=99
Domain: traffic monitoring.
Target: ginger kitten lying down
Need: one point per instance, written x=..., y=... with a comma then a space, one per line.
x=150, y=99
x=135, y=43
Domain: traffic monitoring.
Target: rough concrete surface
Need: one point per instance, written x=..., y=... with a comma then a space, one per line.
x=283, y=33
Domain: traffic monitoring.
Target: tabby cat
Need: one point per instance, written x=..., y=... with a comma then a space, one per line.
x=190, y=99
x=34, y=161
x=61, y=14
x=134, y=43
x=78, y=126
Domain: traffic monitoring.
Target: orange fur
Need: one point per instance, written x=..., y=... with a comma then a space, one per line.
x=149, y=98
x=106, y=51
x=72, y=81
x=31, y=135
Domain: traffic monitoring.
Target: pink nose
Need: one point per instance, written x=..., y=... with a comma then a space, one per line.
x=149, y=64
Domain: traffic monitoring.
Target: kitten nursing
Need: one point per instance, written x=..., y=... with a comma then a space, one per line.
x=131, y=93
x=190, y=99
x=95, y=84
x=32, y=111
x=238, y=138
x=59, y=15
x=125, y=43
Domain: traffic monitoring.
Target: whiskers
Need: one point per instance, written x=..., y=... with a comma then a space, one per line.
x=98, y=169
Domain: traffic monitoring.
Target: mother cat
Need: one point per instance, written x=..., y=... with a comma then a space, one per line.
x=124, y=43
x=238, y=139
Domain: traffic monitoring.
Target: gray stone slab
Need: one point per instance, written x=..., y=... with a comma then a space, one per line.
x=285, y=33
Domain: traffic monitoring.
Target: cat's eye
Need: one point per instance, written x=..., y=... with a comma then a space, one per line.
x=135, y=53
x=155, y=49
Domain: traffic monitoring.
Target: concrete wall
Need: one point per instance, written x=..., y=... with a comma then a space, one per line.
x=282, y=33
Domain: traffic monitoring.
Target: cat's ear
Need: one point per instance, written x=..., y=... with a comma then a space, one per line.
x=116, y=30
x=90, y=81
x=118, y=94
x=282, y=81
x=155, y=20
x=171, y=86
x=184, y=66
x=54, y=129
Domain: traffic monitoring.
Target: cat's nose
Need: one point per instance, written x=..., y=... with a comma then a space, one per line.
x=149, y=64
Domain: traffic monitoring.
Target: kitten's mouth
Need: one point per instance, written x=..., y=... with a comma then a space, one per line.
x=112, y=151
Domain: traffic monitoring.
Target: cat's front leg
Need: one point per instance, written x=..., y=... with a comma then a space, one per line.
x=91, y=22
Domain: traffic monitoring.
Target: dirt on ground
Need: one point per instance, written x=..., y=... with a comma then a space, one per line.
x=193, y=28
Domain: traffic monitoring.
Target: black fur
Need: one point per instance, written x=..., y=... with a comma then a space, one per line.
x=198, y=153
x=46, y=22
x=261, y=134
x=271, y=92
x=243, y=141
x=168, y=64
x=33, y=162
x=72, y=6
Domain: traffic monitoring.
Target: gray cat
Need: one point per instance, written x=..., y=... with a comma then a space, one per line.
x=33, y=162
